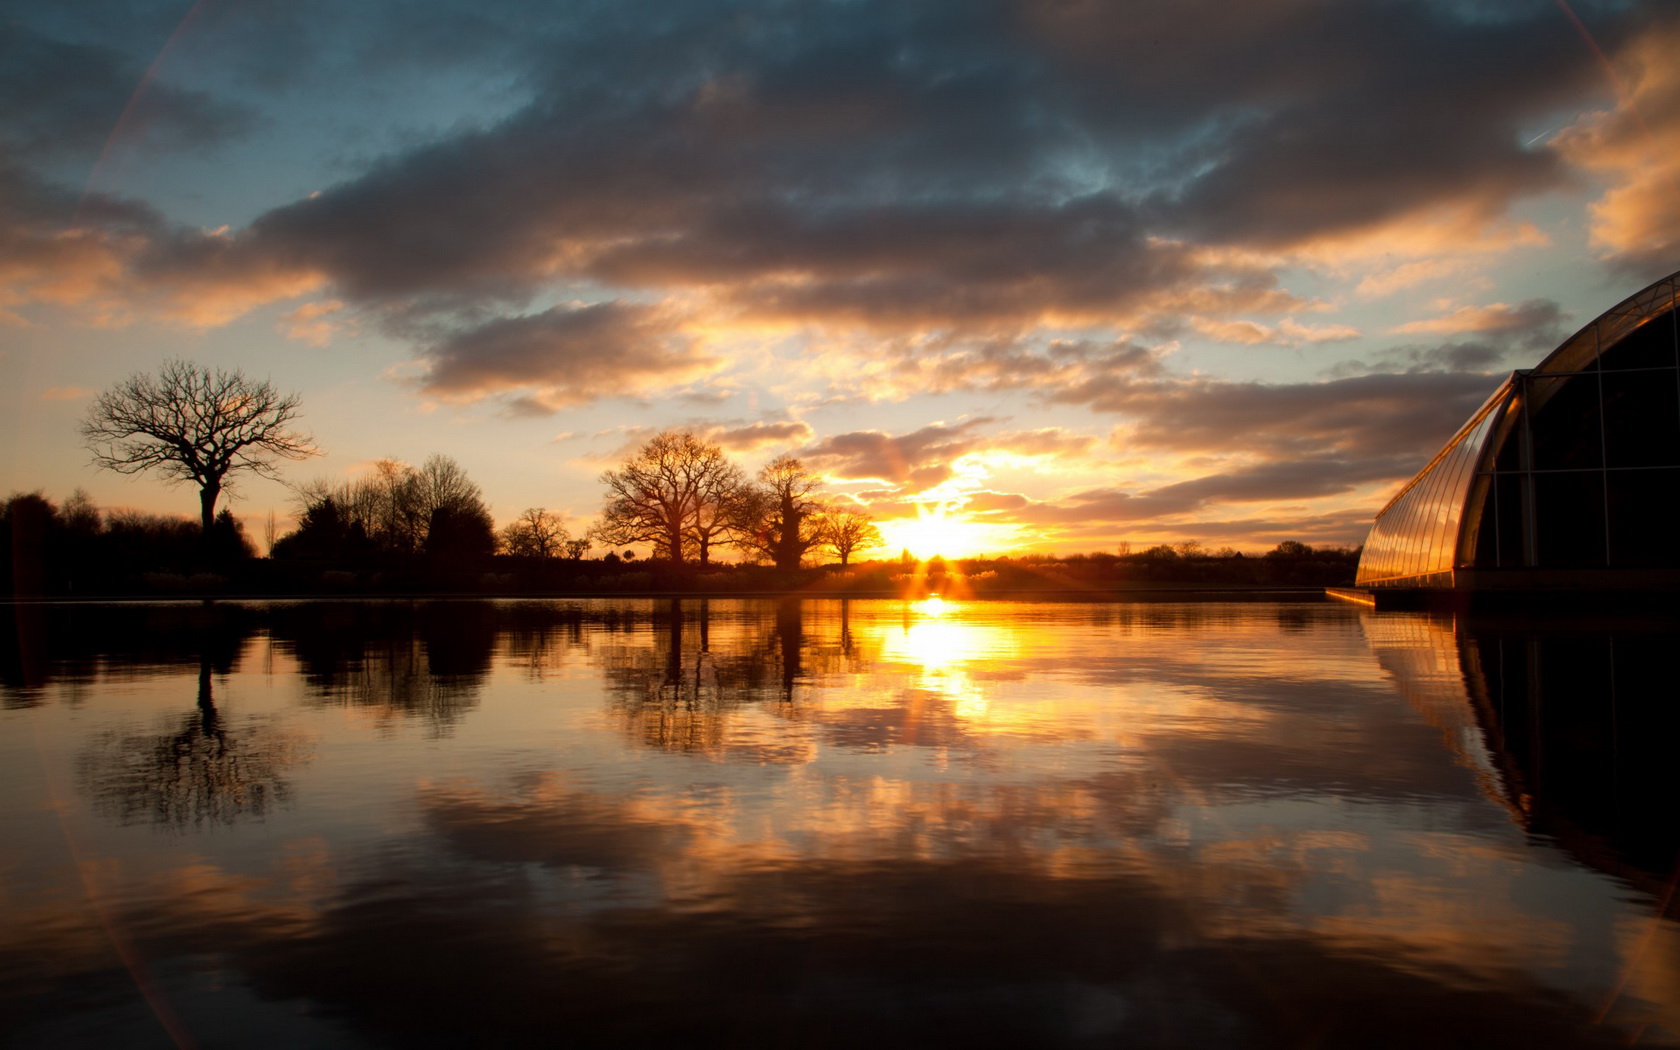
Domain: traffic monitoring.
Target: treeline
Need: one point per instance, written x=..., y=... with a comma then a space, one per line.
x=76, y=549
x=710, y=526
x=395, y=512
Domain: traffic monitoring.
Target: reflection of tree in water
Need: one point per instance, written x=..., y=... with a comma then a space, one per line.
x=539, y=635
x=677, y=693
x=76, y=643
x=202, y=772
x=424, y=660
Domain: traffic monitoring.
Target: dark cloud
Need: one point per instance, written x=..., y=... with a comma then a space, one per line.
x=1305, y=479
x=1361, y=416
x=984, y=170
x=66, y=99
x=938, y=166
x=1483, y=357
x=566, y=355
x=1303, y=119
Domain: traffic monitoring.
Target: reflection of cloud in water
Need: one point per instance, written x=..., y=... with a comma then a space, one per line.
x=900, y=952
x=1166, y=828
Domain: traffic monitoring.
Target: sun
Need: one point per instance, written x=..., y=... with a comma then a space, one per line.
x=940, y=530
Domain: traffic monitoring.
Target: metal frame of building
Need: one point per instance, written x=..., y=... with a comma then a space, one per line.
x=1567, y=478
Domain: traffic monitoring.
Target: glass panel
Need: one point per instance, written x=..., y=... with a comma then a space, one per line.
x=1644, y=505
x=1564, y=417
x=1569, y=513
x=1514, y=510
x=1642, y=419
x=1650, y=346
x=1487, y=543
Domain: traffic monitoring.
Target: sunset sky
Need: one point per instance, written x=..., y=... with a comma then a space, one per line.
x=1083, y=272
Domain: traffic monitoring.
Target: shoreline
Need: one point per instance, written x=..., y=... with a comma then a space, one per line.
x=1157, y=593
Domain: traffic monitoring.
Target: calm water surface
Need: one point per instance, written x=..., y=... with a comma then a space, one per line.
x=830, y=823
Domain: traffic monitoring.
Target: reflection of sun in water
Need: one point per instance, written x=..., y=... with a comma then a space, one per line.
x=935, y=638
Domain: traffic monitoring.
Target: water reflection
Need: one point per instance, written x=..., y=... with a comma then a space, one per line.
x=44, y=644
x=1571, y=723
x=199, y=771
x=425, y=660
x=807, y=822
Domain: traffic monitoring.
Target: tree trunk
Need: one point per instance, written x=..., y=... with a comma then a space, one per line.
x=787, y=544
x=207, y=495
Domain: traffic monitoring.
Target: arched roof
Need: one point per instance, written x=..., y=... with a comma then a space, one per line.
x=1430, y=531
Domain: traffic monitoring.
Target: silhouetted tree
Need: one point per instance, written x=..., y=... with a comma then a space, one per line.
x=847, y=531
x=191, y=423
x=667, y=495
x=459, y=532
x=395, y=507
x=783, y=519
x=536, y=533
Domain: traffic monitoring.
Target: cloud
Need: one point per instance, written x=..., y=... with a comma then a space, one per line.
x=921, y=458
x=78, y=95
x=892, y=170
x=313, y=323
x=1009, y=364
x=1408, y=275
x=1356, y=117
x=1475, y=356
x=1361, y=416
x=1288, y=332
x=1045, y=441
x=1636, y=146
x=1536, y=319
x=566, y=355
x=755, y=436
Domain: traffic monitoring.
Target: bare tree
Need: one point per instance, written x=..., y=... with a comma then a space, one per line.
x=846, y=531
x=723, y=494
x=665, y=495
x=785, y=515
x=536, y=533
x=397, y=509
x=191, y=423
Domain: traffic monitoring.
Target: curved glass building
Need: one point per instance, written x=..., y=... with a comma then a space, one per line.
x=1567, y=477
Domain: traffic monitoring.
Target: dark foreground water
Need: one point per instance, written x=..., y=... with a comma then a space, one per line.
x=834, y=824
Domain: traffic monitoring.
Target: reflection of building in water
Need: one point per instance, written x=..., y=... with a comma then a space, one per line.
x=1423, y=655
x=1577, y=721
x=1570, y=725
x=1568, y=476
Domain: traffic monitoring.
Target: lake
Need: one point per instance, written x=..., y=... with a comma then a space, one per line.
x=834, y=823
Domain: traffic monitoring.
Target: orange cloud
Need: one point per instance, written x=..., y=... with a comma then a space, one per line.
x=1494, y=317
x=1636, y=147
x=312, y=323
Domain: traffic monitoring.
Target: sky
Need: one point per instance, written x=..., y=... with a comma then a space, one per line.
x=1075, y=273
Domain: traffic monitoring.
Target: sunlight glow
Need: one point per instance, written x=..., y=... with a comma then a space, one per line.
x=943, y=530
